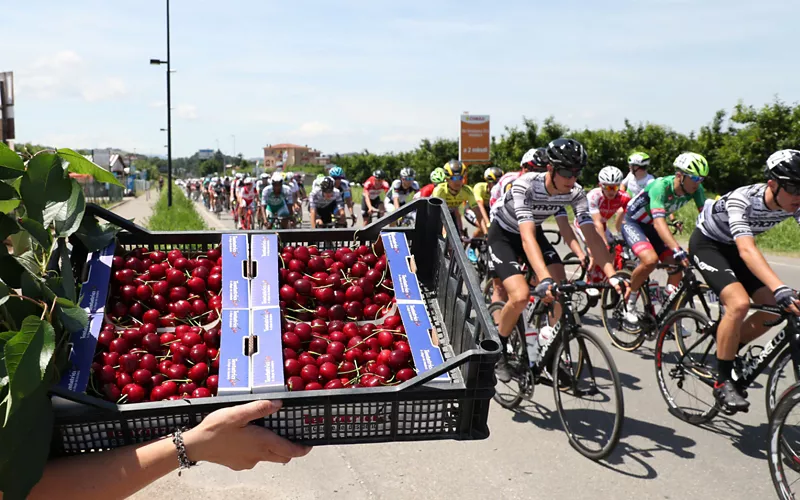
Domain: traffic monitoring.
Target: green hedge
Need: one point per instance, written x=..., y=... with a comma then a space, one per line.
x=180, y=217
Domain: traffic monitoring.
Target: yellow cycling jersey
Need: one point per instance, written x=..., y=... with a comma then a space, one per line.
x=454, y=201
x=481, y=192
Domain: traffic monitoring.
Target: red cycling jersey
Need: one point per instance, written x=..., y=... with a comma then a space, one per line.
x=426, y=191
x=374, y=187
x=599, y=204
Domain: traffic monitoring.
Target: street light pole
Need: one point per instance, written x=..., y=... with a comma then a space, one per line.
x=169, y=120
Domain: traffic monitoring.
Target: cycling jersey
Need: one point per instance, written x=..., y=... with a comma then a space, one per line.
x=454, y=200
x=741, y=212
x=481, y=192
x=529, y=201
x=272, y=199
x=503, y=185
x=425, y=191
x=634, y=186
x=260, y=185
x=317, y=199
x=600, y=204
x=344, y=187
x=397, y=191
x=373, y=187
x=658, y=199
x=246, y=194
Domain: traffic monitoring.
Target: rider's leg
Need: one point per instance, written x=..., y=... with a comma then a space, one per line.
x=518, y=297
x=753, y=327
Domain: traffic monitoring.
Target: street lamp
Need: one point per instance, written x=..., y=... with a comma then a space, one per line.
x=158, y=62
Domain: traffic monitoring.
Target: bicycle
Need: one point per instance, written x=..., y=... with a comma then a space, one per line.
x=695, y=365
x=783, y=433
x=247, y=218
x=629, y=337
x=549, y=233
x=573, y=371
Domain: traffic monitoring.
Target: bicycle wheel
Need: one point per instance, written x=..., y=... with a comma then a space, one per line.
x=686, y=380
x=624, y=335
x=784, y=427
x=588, y=394
x=780, y=379
x=509, y=394
x=698, y=299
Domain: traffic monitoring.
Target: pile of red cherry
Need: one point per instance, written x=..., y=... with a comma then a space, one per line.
x=161, y=338
x=324, y=346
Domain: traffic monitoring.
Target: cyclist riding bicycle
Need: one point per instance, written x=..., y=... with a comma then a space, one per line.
x=437, y=177
x=455, y=193
x=325, y=202
x=339, y=182
x=247, y=197
x=481, y=191
x=276, y=199
x=534, y=160
x=234, y=195
x=371, y=195
x=401, y=190
x=724, y=249
x=517, y=235
x=638, y=178
x=645, y=228
x=605, y=201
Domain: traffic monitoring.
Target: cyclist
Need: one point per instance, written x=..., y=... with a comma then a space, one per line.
x=261, y=183
x=324, y=202
x=403, y=188
x=227, y=185
x=276, y=200
x=605, y=201
x=724, y=249
x=481, y=191
x=246, y=196
x=638, y=177
x=337, y=174
x=234, y=195
x=455, y=193
x=298, y=193
x=206, y=195
x=371, y=195
x=645, y=227
x=517, y=234
x=437, y=177
x=534, y=160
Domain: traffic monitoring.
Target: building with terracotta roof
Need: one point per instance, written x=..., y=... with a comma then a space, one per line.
x=292, y=154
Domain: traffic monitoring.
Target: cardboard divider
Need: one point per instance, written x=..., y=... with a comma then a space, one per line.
x=234, y=365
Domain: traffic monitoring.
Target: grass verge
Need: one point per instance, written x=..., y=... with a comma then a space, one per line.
x=180, y=217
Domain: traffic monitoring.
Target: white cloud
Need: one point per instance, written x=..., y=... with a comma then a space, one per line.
x=157, y=104
x=446, y=27
x=109, y=88
x=313, y=128
x=186, y=111
x=402, y=138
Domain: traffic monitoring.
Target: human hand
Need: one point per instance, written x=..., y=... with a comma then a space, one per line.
x=786, y=298
x=621, y=284
x=226, y=438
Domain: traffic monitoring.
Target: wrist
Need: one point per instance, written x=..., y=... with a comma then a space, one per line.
x=194, y=442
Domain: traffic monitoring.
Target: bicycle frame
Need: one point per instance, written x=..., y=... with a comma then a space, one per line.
x=688, y=282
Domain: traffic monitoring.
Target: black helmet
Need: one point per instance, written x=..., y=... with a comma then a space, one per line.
x=379, y=174
x=326, y=184
x=784, y=165
x=566, y=153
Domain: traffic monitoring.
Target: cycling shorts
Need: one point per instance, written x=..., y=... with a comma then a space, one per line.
x=376, y=203
x=469, y=214
x=245, y=203
x=325, y=214
x=506, y=252
x=278, y=211
x=641, y=237
x=720, y=264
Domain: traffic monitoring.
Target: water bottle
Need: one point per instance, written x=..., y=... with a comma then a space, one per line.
x=546, y=335
x=532, y=343
x=655, y=292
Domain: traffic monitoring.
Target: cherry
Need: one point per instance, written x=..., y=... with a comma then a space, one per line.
x=174, y=255
x=196, y=285
x=178, y=293
x=105, y=337
x=157, y=271
x=119, y=309
x=135, y=264
x=201, y=272
x=142, y=377
x=198, y=353
x=357, y=340
x=157, y=256
x=335, y=326
x=370, y=355
x=381, y=298
x=302, y=253
x=182, y=309
x=325, y=295
x=391, y=322
x=325, y=358
x=339, y=297
x=383, y=372
x=336, y=349
x=164, y=365
x=289, y=353
x=346, y=368
x=359, y=269
x=334, y=384
x=350, y=329
x=354, y=355
x=337, y=337
x=160, y=288
x=212, y=383
x=302, y=286
x=373, y=382
x=383, y=356
x=119, y=345
x=170, y=387
x=349, y=260
x=148, y=362
x=306, y=359
x=292, y=367
x=370, y=259
x=151, y=342
x=211, y=337
x=215, y=303
x=328, y=371
x=201, y=392
x=175, y=277
x=293, y=276
x=366, y=287
x=371, y=311
x=213, y=352
x=319, y=327
x=297, y=265
x=374, y=276
x=159, y=302
x=181, y=263
x=318, y=345
x=354, y=310
x=214, y=254
x=291, y=340
x=112, y=392
x=321, y=312
x=117, y=262
x=180, y=352
x=385, y=339
x=107, y=374
x=287, y=293
x=166, y=338
x=187, y=388
x=111, y=358
x=296, y=383
x=317, y=264
x=177, y=371
x=198, y=307
x=303, y=331
x=397, y=359
x=159, y=393
x=313, y=386
x=405, y=374
x=123, y=379
x=334, y=281
x=135, y=392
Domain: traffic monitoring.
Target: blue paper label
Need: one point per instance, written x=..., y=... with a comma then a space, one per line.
x=235, y=286
x=81, y=352
x=419, y=330
x=406, y=286
x=95, y=288
x=267, y=361
x=234, y=364
x=264, y=286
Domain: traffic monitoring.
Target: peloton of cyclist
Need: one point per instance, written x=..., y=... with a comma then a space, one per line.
x=455, y=193
x=517, y=234
x=325, y=202
x=276, y=198
x=437, y=177
x=723, y=247
x=637, y=177
x=534, y=160
x=371, y=195
x=343, y=185
x=645, y=228
x=401, y=190
x=247, y=197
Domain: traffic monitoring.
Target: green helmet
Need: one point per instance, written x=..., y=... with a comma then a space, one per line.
x=438, y=176
x=692, y=164
x=639, y=159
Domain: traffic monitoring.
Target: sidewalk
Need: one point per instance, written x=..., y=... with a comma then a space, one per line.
x=139, y=209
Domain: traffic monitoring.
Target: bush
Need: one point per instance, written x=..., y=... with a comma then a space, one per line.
x=180, y=217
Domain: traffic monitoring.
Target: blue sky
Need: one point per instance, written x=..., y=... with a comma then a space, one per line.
x=347, y=75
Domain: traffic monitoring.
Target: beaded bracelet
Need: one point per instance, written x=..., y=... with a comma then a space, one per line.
x=183, y=460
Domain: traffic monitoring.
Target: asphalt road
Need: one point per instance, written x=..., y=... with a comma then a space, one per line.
x=527, y=454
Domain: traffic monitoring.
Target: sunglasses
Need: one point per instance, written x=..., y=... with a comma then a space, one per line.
x=611, y=187
x=696, y=178
x=457, y=178
x=792, y=189
x=407, y=178
x=567, y=173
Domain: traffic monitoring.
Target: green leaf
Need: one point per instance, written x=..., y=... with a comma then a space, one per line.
x=4, y=291
x=72, y=317
x=37, y=231
x=94, y=236
x=8, y=206
x=80, y=165
x=27, y=356
x=8, y=226
x=10, y=159
x=7, y=192
x=25, y=444
x=34, y=196
x=4, y=337
x=67, y=278
x=59, y=186
x=11, y=271
x=28, y=263
x=67, y=214
x=40, y=165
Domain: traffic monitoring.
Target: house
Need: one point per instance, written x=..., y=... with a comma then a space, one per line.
x=292, y=154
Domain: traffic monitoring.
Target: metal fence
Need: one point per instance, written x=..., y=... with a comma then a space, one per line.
x=100, y=192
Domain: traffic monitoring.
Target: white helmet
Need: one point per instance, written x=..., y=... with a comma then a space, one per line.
x=248, y=180
x=276, y=177
x=215, y=179
x=264, y=176
x=528, y=156
x=239, y=175
x=610, y=175
x=288, y=175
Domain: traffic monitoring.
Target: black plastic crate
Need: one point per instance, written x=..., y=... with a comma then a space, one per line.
x=414, y=410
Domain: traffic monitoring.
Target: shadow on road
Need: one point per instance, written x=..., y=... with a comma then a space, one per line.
x=750, y=440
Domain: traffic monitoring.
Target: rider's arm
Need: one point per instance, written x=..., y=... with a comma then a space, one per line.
x=593, y=240
x=662, y=228
x=565, y=228
x=484, y=215
x=659, y=214
x=599, y=226
x=312, y=211
x=619, y=218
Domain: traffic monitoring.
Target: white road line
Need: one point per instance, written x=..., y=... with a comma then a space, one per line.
x=781, y=264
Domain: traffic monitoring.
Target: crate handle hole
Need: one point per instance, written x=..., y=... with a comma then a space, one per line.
x=489, y=345
x=253, y=269
x=253, y=345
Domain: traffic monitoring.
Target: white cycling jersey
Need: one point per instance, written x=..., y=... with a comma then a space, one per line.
x=317, y=199
x=634, y=186
x=397, y=191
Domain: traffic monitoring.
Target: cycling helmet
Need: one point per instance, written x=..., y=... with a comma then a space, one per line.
x=276, y=177
x=784, y=165
x=248, y=180
x=264, y=176
x=298, y=175
x=379, y=174
x=326, y=185
x=407, y=173
x=453, y=168
x=691, y=164
x=566, y=153
x=320, y=176
x=438, y=176
x=610, y=175
x=491, y=174
x=215, y=179
x=239, y=175
x=535, y=160
x=639, y=159
x=336, y=172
